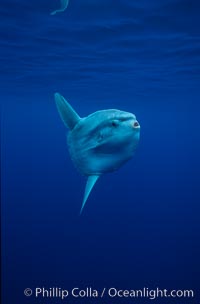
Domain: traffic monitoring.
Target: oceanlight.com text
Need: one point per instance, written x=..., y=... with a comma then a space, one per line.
x=111, y=292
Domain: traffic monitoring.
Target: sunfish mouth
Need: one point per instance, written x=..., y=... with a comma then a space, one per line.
x=136, y=125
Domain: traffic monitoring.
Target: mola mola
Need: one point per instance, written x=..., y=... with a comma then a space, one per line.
x=63, y=6
x=99, y=143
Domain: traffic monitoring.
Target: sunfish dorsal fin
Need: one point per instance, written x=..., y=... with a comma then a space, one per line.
x=67, y=113
x=89, y=185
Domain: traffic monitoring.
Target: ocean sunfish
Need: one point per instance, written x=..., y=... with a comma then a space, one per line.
x=63, y=6
x=99, y=143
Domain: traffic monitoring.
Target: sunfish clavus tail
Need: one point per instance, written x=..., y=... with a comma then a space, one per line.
x=70, y=119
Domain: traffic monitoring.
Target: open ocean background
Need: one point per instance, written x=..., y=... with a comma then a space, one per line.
x=141, y=224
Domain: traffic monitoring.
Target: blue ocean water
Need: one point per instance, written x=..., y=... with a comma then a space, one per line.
x=140, y=226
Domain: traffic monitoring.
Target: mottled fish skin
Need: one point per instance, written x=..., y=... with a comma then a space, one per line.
x=99, y=143
x=63, y=6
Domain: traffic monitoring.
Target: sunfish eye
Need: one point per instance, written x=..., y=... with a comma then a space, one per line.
x=114, y=123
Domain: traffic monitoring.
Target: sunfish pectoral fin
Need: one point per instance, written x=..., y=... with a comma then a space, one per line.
x=89, y=185
x=67, y=113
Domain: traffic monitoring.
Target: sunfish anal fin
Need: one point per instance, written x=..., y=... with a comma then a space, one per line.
x=67, y=113
x=89, y=185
